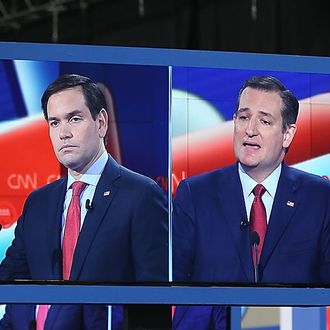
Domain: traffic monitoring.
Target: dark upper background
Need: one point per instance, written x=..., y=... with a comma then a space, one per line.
x=269, y=26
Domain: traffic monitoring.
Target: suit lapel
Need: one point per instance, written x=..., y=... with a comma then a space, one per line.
x=232, y=203
x=104, y=195
x=284, y=206
x=23, y=316
x=179, y=314
x=54, y=223
x=52, y=315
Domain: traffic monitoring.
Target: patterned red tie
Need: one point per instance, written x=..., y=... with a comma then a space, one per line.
x=258, y=217
x=72, y=228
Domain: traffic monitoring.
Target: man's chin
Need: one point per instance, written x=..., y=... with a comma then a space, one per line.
x=249, y=167
x=249, y=163
x=70, y=164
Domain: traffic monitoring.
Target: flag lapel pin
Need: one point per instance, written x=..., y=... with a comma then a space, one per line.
x=289, y=203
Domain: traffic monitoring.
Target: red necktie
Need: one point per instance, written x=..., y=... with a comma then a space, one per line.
x=72, y=228
x=41, y=316
x=258, y=217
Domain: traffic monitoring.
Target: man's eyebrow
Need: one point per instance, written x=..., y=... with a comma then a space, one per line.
x=242, y=110
x=267, y=114
x=260, y=112
x=68, y=115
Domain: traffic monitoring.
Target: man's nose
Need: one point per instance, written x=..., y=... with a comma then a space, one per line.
x=65, y=132
x=251, y=127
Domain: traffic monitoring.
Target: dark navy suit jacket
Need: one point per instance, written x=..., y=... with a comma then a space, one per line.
x=199, y=317
x=211, y=245
x=124, y=237
x=68, y=317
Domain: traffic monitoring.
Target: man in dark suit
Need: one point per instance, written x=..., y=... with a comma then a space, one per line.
x=122, y=229
x=215, y=213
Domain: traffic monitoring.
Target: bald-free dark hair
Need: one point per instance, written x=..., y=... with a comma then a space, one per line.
x=94, y=98
x=271, y=84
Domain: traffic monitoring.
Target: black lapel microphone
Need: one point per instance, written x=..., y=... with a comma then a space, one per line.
x=255, y=240
x=88, y=205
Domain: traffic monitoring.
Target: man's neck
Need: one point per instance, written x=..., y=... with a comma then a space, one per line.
x=77, y=174
x=257, y=174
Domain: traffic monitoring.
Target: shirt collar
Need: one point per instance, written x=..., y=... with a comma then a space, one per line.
x=92, y=175
x=270, y=183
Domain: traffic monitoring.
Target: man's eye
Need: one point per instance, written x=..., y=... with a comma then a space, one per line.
x=265, y=122
x=242, y=117
x=75, y=119
x=53, y=123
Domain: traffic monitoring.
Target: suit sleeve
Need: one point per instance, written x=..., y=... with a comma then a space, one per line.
x=18, y=316
x=5, y=322
x=183, y=234
x=219, y=318
x=95, y=317
x=200, y=317
x=325, y=245
x=14, y=265
x=149, y=235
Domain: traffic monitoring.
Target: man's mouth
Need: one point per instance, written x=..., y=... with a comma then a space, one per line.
x=251, y=145
x=66, y=147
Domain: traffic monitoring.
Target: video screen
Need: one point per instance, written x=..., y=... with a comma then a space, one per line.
x=207, y=219
x=137, y=135
x=211, y=219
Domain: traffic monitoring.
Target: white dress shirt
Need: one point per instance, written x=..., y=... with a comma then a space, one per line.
x=91, y=178
x=270, y=183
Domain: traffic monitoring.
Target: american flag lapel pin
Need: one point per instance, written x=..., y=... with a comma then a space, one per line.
x=289, y=203
x=106, y=193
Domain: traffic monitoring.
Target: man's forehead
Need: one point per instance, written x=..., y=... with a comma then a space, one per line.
x=61, y=104
x=67, y=96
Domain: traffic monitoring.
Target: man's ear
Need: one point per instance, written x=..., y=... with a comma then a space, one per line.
x=102, y=119
x=289, y=135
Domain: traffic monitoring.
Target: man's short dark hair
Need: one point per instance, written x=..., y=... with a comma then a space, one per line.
x=94, y=98
x=270, y=84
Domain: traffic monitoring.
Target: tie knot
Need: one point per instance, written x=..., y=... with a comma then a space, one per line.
x=77, y=188
x=259, y=190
